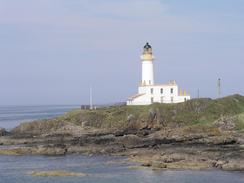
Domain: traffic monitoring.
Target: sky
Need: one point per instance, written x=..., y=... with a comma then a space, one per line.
x=52, y=51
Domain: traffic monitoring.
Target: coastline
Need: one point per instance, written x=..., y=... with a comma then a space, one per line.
x=198, y=153
x=143, y=135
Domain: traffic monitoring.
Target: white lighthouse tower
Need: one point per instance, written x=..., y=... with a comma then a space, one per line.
x=149, y=92
x=147, y=66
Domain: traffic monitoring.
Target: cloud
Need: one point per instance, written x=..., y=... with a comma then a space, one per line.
x=90, y=15
x=29, y=10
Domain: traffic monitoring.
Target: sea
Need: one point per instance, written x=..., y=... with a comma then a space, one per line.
x=99, y=169
x=12, y=116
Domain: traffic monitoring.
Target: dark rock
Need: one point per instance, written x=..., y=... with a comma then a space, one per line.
x=103, y=140
x=130, y=141
x=157, y=164
x=143, y=133
x=219, y=163
x=146, y=164
x=119, y=133
x=3, y=132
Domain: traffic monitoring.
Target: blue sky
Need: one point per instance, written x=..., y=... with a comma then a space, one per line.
x=51, y=51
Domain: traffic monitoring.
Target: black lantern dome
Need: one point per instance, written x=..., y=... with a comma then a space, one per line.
x=147, y=46
x=147, y=49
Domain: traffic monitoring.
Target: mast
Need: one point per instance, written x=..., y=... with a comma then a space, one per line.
x=219, y=88
x=91, y=99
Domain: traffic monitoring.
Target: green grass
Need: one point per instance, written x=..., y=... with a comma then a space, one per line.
x=193, y=112
x=196, y=112
x=240, y=122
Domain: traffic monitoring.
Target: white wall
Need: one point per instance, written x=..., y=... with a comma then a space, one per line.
x=147, y=72
x=165, y=97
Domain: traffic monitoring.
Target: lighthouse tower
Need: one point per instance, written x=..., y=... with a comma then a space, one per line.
x=147, y=66
x=149, y=92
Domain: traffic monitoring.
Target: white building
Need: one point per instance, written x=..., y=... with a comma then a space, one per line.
x=148, y=92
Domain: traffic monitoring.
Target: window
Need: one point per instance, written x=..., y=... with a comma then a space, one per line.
x=151, y=90
x=161, y=90
x=172, y=90
x=152, y=100
x=162, y=99
x=172, y=99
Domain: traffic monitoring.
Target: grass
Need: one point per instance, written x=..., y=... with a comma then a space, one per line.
x=240, y=122
x=196, y=112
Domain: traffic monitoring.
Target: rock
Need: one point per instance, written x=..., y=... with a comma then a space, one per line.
x=152, y=114
x=3, y=132
x=222, y=140
x=119, y=133
x=172, y=158
x=219, y=163
x=49, y=150
x=57, y=173
x=147, y=164
x=158, y=165
x=85, y=124
x=43, y=127
x=143, y=132
x=130, y=141
x=234, y=165
x=103, y=140
x=36, y=150
x=131, y=118
x=154, y=164
x=12, y=152
x=137, y=167
x=132, y=125
x=225, y=124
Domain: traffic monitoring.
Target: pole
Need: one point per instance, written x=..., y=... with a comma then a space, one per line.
x=219, y=88
x=91, y=105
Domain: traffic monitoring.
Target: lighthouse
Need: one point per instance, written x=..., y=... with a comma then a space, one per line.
x=147, y=66
x=149, y=92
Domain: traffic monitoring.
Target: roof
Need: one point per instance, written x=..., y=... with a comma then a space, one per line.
x=136, y=96
x=147, y=46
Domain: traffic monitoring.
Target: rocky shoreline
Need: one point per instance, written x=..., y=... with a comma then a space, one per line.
x=199, y=134
x=148, y=149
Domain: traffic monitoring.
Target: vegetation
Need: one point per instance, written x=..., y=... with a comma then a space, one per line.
x=14, y=152
x=193, y=113
x=240, y=122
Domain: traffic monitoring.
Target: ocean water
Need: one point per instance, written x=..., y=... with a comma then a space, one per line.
x=11, y=116
x=100, y=169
